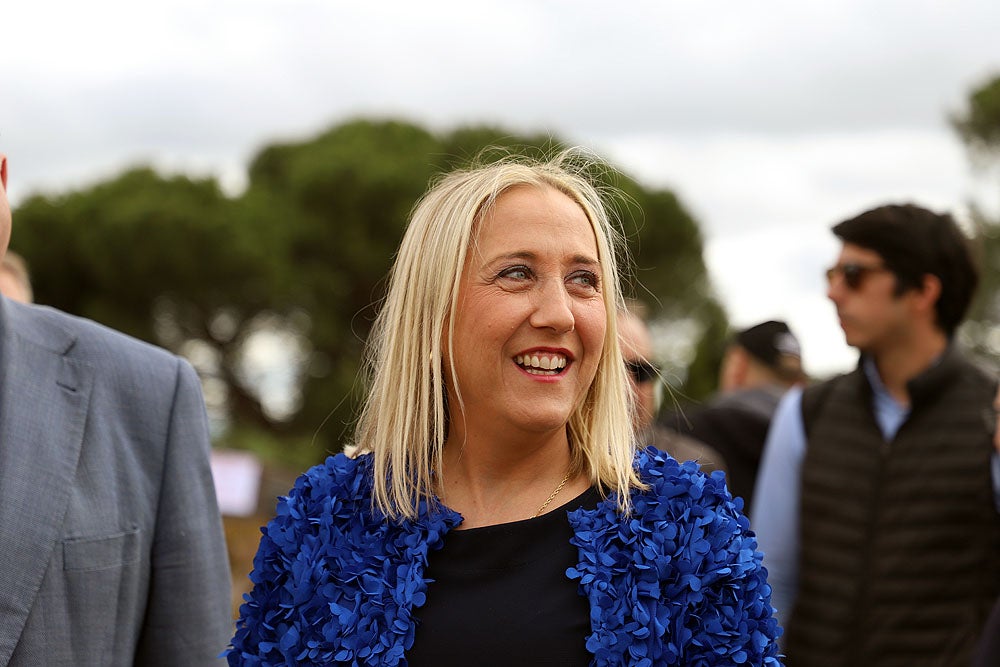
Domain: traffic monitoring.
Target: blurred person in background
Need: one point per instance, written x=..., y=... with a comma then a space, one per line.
x=15, y=281
x=875, y=504
x=647, y=388
x=988, y=651
x=494, y=509
x=110, y=538
x=759, y=365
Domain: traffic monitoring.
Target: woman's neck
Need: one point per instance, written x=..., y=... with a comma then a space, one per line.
x=491, y=481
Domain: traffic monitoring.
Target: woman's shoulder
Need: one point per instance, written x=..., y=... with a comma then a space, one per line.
x=339, y=476
x=678, y=493
x=657, y=467
x=673, y=486
x=686, y=546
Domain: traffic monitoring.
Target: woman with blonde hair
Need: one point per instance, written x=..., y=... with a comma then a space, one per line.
x=493, y=509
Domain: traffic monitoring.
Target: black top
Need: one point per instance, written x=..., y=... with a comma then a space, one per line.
x=499, y=595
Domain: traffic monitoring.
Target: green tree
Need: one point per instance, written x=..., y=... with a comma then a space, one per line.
x=300, y=258
x=979, y=127
x=979, y=124
x=169, y=260
x=348, y=192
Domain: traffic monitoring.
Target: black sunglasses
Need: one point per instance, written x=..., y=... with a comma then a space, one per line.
x=641, y=371
x=854, y=274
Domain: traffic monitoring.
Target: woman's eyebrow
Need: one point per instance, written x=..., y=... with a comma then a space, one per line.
x=527, y=254
x=586, y=259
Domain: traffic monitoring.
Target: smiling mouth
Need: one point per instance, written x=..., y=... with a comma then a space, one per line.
x=542, y=364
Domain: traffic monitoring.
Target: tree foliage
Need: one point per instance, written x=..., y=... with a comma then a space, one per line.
x=979, y=124
x=301, y=257
x=979, y=127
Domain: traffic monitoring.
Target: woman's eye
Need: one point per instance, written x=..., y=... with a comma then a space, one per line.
x=585, y=279
x=516, y=273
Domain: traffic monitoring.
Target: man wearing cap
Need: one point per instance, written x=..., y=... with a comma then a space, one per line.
x=876, y=507
x=759, y=366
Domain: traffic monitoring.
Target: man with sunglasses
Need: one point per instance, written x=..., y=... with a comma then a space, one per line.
x=644, y=379
x=759, y=365
x=875, y=503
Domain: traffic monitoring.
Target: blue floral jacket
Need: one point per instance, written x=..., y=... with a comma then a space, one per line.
x=679, y=582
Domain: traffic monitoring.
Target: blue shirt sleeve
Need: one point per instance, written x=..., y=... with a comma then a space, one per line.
x=775, y=511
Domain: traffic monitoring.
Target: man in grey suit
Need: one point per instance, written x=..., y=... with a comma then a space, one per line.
x=111, y=545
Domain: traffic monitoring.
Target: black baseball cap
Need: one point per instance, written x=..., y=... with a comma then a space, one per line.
x=771, y=343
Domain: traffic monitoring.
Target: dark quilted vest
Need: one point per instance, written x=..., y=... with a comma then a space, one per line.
x=900, y=540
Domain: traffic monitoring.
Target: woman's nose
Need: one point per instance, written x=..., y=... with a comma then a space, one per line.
x=553, y=307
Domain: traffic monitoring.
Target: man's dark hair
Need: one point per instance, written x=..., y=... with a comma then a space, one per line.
x=914, y=242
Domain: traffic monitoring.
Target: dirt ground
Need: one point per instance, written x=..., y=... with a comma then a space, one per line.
x=242, y=538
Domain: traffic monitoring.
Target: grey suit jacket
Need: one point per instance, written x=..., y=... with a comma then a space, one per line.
x=111, y=546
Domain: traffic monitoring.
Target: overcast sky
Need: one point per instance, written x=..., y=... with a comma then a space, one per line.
x=772, y=120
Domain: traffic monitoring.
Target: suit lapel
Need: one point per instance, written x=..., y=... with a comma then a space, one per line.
x=44, y=396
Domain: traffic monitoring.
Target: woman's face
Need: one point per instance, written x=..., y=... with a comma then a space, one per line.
x=530, y=319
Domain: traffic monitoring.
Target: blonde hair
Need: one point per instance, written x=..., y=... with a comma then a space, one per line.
x=404, y=421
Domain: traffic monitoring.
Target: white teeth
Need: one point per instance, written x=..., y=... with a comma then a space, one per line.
x=544, y=362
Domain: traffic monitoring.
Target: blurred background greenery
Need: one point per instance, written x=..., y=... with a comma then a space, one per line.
x=271, y=293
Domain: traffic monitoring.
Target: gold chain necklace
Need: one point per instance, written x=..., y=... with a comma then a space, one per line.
x=554, y=494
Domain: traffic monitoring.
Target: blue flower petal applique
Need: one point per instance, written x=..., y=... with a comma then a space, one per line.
x=680, y=581
x=334, y=582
